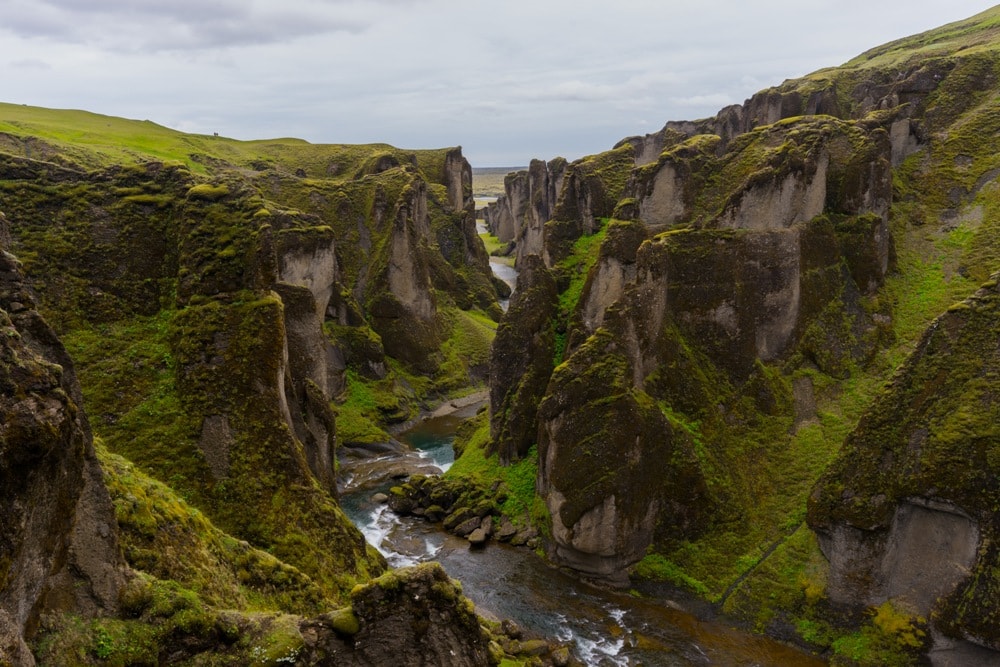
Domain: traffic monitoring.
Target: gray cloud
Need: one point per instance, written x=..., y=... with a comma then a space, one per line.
x=176, y=25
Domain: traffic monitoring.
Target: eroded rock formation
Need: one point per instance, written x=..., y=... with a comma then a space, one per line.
x=520, y=214
x=772, y=245
x=271, y=283
x=521, y=361
x=733, y=246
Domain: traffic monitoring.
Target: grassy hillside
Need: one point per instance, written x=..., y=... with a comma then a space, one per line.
x=93, y=140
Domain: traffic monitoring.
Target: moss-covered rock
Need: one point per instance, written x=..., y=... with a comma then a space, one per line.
x=58, y=542
x=412, y=616
x=521, y=361
x=612, y=468
x=907, y=511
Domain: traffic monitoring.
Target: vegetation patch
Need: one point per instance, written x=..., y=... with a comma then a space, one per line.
x=473, y=465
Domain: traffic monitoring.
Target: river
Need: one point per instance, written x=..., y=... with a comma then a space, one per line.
x=604, y=627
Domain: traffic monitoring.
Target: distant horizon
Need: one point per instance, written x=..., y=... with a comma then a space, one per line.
x=484, y=170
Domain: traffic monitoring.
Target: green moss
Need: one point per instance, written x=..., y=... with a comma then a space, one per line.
x=573, y=270
x=164, y=537
x=892, y=637
x=208, y=192
x=788, y=583
x=466, y=349
x=281, y=644
x=483, y=471
x=344, y=622
x=362, y=409
x=656, y=567
x=174, y=617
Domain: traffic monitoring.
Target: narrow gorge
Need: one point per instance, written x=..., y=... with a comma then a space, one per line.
x=750, y=368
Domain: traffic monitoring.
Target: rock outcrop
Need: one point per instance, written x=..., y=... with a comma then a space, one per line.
x=613, y=469
x=265, y=290
x=415, y=616
x=58, y=542
x=735, y=246
x=907, y=513
x=777, y=241
x=529, y=200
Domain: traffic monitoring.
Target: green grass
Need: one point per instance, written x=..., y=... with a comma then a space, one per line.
x=165, y=537
x=522, y=504
x=978, y=33
x=656, y=566
x=127, y=373
x=489, y=181
x=577, y=266
x=465, y=350
x=93, y=140
x=493, y=245
x=360, y=410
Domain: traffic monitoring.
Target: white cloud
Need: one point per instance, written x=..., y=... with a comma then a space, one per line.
x=30, y=63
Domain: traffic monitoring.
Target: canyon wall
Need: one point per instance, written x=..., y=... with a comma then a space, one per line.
x=715, y=280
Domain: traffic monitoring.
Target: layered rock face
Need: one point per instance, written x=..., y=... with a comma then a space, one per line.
x=907, y=512
x=58, y=544
x=614, y=470
x=266, y=287
x=529, y=199
x=521, y=361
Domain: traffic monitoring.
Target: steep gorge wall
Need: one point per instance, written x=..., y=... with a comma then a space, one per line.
x=782, y=237
x=245, y=292
x=58, y=545
x=756, y=238
x=519, y=215
x=67, y=595
x=254, y=290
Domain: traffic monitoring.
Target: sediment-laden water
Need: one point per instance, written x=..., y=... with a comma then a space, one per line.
x=604, y=627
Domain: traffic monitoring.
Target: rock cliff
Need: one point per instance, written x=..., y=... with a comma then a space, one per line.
x=219, y=313
x=521, y=361
x=409, y=617
x=767, y=245
x=58, y=547
x=265, y=287
x=528, y=202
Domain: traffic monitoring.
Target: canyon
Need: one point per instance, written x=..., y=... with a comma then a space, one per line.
x=751, y=360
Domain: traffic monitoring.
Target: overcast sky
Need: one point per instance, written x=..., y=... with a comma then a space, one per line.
x=508, y=80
